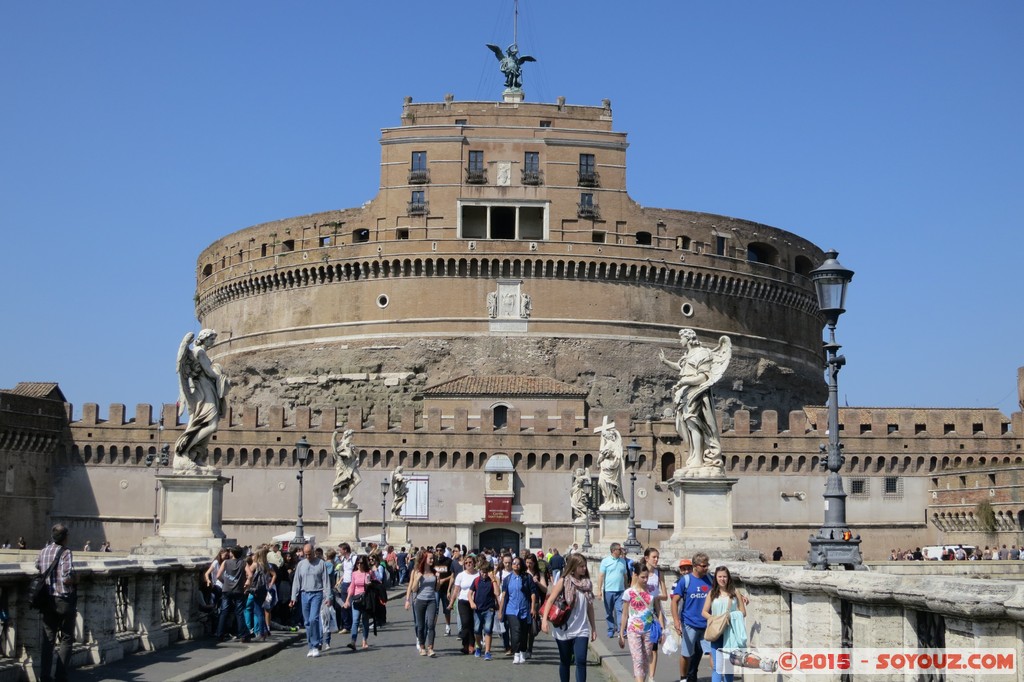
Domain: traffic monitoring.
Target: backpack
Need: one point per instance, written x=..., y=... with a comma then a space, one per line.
x=483, y=595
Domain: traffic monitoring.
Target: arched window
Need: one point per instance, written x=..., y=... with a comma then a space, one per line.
x=668, y=465
x=643, y=238
x=758, y=252
x=500, y=413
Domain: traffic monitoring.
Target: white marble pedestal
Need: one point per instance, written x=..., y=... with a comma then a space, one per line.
x=191, y=512
x=614, y=526
x=343, y=526
x=702, y=521
x=398, y=533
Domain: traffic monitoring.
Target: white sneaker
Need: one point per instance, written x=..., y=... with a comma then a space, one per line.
x=447, y=630
x=326, y=647
x=518, y=658
x=314, y=653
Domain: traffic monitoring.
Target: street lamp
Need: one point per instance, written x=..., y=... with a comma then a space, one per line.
x=302, y=456
x=384, y=486
x=588, y=488
x=632, y=460
x=163, y=460
x=834, y=543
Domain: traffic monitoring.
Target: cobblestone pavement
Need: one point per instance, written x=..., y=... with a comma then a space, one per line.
x=392, y=655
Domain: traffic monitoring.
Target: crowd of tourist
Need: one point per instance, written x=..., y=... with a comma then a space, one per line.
x=959, y=553
x=501, y=601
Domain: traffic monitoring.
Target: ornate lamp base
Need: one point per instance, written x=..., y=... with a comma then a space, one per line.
x=827, y=552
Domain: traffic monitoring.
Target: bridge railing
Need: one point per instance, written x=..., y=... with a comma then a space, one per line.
x=125, y=604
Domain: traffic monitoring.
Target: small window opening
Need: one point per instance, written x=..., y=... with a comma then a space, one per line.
x=325, y=241
x=643, y=238
x=402, y=233
x=288, y=245
x=361, y=235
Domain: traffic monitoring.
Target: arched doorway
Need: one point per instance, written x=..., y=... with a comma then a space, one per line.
x=499, y=539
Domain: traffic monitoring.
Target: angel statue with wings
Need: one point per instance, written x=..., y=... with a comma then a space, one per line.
x=346, y=470
x=699, y=369
x=203, y=390
x=511, y=65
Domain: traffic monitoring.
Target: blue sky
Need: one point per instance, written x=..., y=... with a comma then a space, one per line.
x=134, y=134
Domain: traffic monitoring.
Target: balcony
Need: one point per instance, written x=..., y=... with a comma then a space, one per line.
x=419, y=177
x=476, y=176
x=417, y=208
x=589, y=179
x=589, y=211
x=532, y=177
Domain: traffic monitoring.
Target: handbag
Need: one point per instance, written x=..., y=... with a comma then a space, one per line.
x=655, y=632
x=558, y=612
x=39, y=597
x=716, y=627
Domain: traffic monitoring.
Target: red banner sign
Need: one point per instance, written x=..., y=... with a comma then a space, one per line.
x=498, y=509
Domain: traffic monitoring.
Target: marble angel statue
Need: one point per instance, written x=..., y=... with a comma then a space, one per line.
x=346, y=470
x=203, y=390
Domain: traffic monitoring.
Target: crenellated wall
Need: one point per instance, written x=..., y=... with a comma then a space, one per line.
x=778, y=495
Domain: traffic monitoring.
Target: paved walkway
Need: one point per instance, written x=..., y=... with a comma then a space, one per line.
x=283, y=658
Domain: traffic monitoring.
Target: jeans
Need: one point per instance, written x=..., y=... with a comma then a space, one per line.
x=572, y=651
x=717, y=661
x=60, y=620
x=424, y=611
x=613, y=611
x=345, y=622
x=255, y=623
x=695, y=635
x=311, y=602
x=231, y=603
x=360, y=617
x=483, y=623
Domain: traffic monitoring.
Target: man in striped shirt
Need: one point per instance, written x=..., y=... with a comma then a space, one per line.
x=60, y=618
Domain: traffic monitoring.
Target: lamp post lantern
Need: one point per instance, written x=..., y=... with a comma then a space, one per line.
x=834, y=544
x=301, y=456
x=632, y=545
x=588, y=490
x=384, y=486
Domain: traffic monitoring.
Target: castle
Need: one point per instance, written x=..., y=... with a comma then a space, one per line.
x=498, y=299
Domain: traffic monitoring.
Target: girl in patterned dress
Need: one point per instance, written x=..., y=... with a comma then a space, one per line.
x=639, y=611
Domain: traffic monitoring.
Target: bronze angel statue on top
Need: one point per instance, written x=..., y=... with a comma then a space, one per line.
x=511, y=65
x=203, y=390
x=699, y=369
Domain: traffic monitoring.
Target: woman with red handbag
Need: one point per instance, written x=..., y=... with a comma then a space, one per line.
x=573, y=636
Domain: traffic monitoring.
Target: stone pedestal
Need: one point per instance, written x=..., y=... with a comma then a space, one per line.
x=398, y=533
x=614, y=526
x=343, y=526
x=702, y=521
x=191, y=511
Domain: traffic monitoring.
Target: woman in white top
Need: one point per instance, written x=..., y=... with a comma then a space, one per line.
x=463, y=586
x=656, y=586
x=722, y=598
x=574, y=636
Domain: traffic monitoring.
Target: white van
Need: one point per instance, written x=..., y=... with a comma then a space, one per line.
x=935, y=552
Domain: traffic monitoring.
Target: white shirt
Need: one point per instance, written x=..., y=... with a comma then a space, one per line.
x=464, y=581
x=346, y=568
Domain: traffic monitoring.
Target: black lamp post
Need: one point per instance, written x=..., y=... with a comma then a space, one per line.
x=384, y=486
x=588, y=488
x=302, y=456
x=632, y=545
x=834, y=543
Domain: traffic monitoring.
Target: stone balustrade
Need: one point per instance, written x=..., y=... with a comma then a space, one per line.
x=939, y=607
x=124, y=605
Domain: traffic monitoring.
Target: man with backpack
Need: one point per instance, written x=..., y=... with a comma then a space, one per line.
x=687, y=606
x=58, y=615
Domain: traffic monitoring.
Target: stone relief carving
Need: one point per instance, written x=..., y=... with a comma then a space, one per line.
x=202, y=389
x=346, y=470
x=699, y=369
x=508, y=302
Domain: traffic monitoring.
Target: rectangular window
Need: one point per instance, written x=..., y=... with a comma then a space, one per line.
x=460, y=121
x=859, y=486
x=417, y=503
x=531, y=161
x=417, y=202
x=401, y=233
x=476, y=161
x=893, y=487
x=586, y=200
x=545, y=124
x=588, y=171
x=475, y=172
x=325, y=241
x=683, y=243
x=418, y=196
x=419, y=161
x=720, y=246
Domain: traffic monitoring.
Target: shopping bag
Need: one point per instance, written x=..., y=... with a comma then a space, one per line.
x=328, y=620
x=672, y=643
